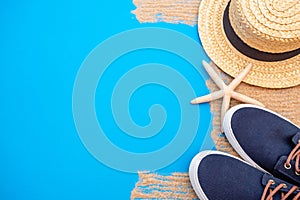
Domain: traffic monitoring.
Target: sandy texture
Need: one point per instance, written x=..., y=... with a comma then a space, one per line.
x=171, y=11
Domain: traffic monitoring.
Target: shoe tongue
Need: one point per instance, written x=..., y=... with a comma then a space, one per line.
x=296, y=138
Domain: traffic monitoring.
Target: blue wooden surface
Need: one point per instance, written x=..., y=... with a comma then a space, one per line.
x=43, y=44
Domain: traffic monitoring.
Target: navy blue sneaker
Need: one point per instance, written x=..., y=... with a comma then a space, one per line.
x=265, y=139
x=219, y=176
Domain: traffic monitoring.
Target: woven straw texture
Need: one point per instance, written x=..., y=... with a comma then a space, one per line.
x=279, y=74
x=261, y=25
x=284, y=101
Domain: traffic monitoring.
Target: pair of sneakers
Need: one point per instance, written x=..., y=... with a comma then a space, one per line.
x=270, y=147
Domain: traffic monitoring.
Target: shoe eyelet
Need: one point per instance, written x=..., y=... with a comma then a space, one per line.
x=272, y=181
x=284, y=185
x=297, y=173
x=287, y=166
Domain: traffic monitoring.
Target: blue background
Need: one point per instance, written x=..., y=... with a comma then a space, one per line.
x=43, y=44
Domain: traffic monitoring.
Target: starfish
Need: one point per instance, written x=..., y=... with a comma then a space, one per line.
x=226, y=91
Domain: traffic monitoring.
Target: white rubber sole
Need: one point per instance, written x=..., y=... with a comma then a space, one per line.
x=193, y=170
x=232, y=139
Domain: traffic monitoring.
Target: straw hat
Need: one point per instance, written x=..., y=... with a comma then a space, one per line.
x=265, y=33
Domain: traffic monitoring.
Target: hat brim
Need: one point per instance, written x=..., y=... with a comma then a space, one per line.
x=271, y=74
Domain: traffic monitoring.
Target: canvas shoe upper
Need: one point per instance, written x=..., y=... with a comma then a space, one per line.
x=265, y=140
x=219, y=176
